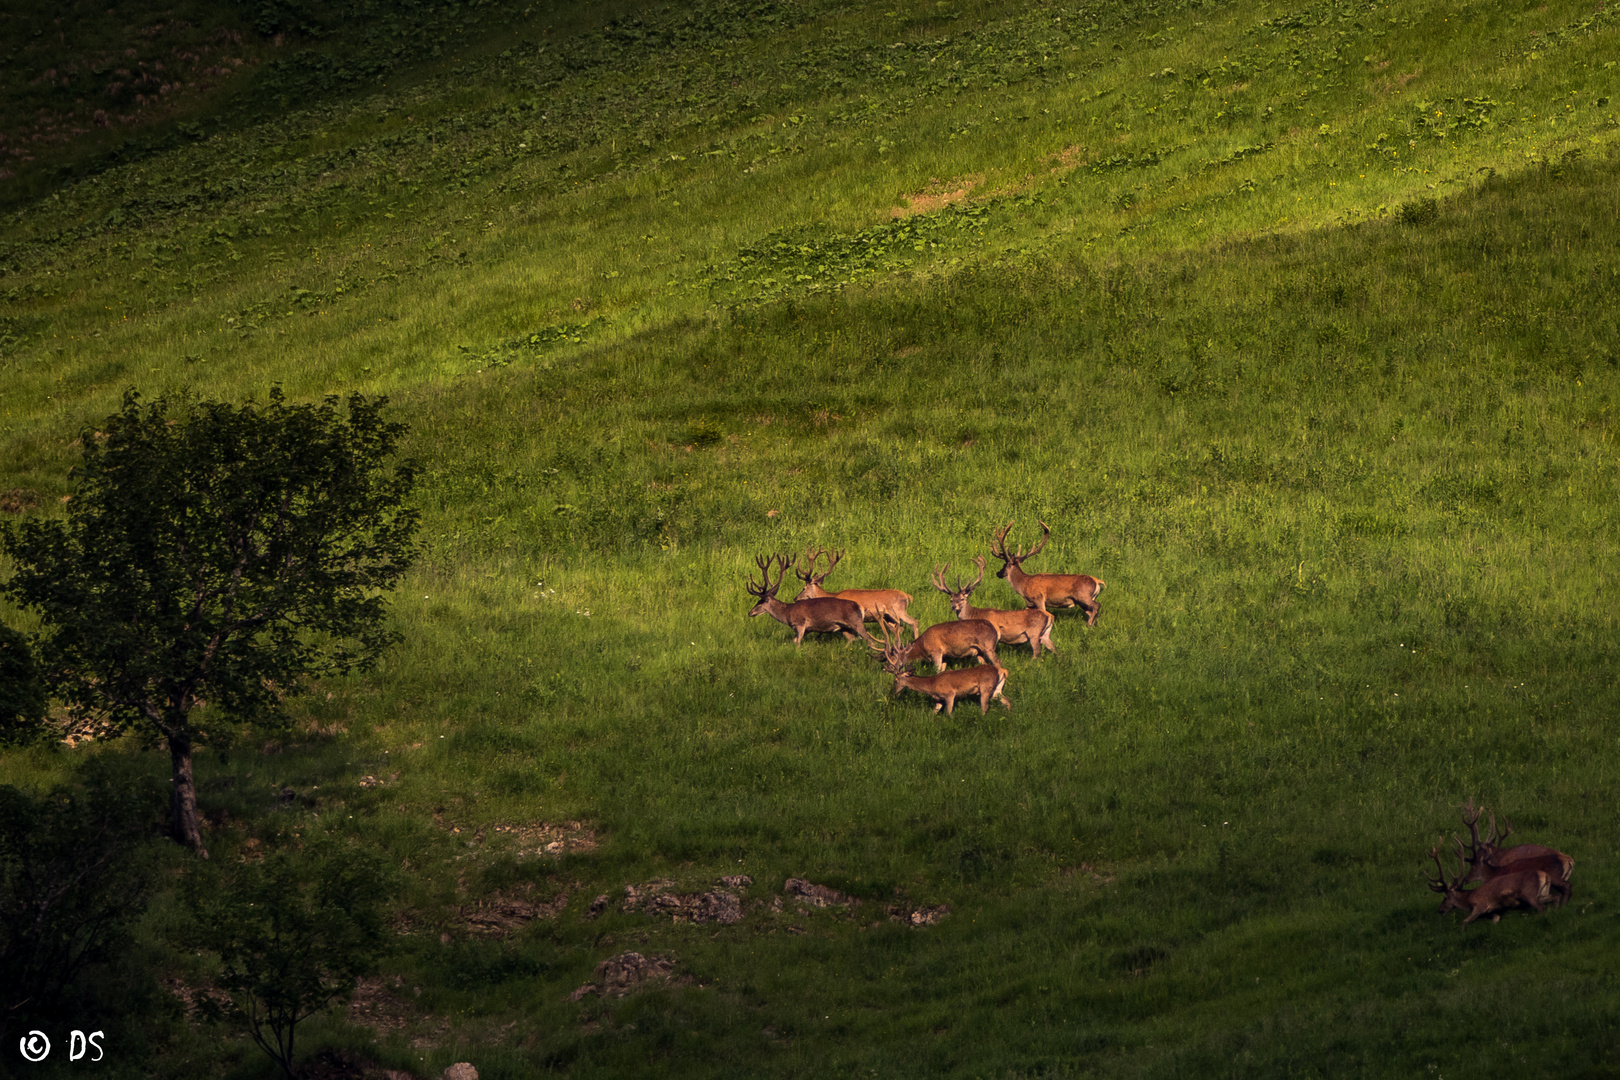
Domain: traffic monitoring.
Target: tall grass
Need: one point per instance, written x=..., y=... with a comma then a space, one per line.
x=1345, y=460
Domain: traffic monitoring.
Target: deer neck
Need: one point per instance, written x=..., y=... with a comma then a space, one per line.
x=777, y=610
x=1017, y=578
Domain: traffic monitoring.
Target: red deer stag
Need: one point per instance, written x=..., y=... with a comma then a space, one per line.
x=1027, y=626
x=886, y=607
x=826, y=615
x=983, y=682
x=1038, y=590
x=1526, y=888
x=946, y=641
x=1488, y=860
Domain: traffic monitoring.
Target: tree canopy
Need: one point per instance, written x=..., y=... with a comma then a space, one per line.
x=212, y=556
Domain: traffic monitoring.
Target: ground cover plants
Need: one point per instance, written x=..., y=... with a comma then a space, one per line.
x=1297, y=325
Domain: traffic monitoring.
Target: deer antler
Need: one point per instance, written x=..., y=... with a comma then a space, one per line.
x=764, y=589
x=1439, y=885
x=832, y=561
x=978, y=560
x=808, y=574
x=938, y=578
x=1470, y=818
x=1046, y=534
x=998, y=542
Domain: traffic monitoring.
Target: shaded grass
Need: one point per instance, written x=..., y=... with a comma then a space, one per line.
x=1349, y=488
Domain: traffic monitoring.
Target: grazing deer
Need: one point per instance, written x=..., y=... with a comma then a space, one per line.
x=1027, y=626
x=882, y=606
x=1038, y=590
x=1488, y=860
x=1524, y=888
x=983, y=682
x=825, y=615
x=946, y=641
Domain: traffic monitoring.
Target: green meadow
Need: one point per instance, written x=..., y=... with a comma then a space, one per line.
x=1298, y=322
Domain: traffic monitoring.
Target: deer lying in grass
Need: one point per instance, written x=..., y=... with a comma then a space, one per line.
x=1039, y=590
x=983, y=682
x=1488, y=860
x=1521, y=888
x=1027, y=626
x=886, y=607
x=825, y=615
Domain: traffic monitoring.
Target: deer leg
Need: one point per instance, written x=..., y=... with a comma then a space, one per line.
x=799, y=640
x=1005, y=703
x=950, y=704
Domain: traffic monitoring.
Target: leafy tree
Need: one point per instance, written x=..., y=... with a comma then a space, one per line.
x=293, y=933
x=212, y=557
x=22, y=691
x=73, y=877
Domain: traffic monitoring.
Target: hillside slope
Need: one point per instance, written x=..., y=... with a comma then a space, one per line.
x=1297, y=323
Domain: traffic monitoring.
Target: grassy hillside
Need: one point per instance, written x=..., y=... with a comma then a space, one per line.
x=1297, y=323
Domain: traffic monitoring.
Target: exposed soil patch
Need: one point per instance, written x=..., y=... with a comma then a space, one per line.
x=938, y=193
x=498, y=916
x=919, y=916
x=808, y=892
x=658, y=900
x=1068, y=159
x=383, y=1004
x=548, y=838
x=625, y=973
x=18, y=501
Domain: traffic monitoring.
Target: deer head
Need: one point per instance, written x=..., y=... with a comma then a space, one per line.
x=764, y=591
x=1015, y=559
x=812, y=580
x=957, y=594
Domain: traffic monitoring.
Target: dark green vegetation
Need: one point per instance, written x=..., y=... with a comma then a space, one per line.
x=1296, y=322
x=213, y=560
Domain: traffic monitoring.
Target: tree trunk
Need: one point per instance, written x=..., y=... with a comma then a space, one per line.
x=183, y=801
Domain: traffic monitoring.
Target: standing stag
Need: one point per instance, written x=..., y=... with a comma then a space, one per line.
x=983, y=682
x=886, y=607
x=1488, y=860
x=1523, y=888
x=1028, y=626
x=1038, y=590
x=825, y=615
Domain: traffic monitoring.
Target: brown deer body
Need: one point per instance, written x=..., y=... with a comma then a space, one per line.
x=1524, y=888
x=1039, y=590
x=1488, y=860
x=886, y=607
x=1027, y=626
x=983, y=682
x=826, y=615
x=951, y=641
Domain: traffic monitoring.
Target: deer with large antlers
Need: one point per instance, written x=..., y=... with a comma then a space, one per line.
x=946, y=641
x=1523, y=888
x=1027, y=626
x=1488, y=860
x=983, y=682
x=825, y=615
x=1039, y=590
x=886, y=607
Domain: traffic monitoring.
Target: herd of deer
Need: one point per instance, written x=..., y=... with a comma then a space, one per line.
x=974, y=635
x=1528, y=875
x=1525, y=876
